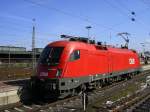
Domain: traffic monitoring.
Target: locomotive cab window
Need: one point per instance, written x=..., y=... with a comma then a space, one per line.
x=51, y=55
x=74, y=55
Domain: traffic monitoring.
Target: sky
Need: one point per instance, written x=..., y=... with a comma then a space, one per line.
x=55, y=17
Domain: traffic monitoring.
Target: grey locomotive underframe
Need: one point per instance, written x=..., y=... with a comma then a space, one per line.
x=63, y=85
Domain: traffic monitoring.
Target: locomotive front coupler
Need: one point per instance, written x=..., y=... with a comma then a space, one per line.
x=44, y=88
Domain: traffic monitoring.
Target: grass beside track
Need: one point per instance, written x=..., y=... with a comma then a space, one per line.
x=15, y=73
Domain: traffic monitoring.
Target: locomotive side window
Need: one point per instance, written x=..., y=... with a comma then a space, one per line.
x=75, y=55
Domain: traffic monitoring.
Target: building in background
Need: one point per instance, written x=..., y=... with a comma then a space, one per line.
x=38, y=50
x=12, y=49
x=17, y=54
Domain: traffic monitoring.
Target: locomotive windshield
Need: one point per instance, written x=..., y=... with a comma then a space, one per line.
x=51, y=55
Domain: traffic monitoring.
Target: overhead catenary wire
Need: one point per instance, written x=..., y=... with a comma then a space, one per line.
x=15, y=20
x=145, y=3
x=76, y=16
x=138, y=19
x=125, y=13
x=82, y=18
x=117, y=9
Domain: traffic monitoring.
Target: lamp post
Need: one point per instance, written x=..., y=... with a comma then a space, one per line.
x=9, y=62
x=88, y=28
x=143, y=45
x=33, y=46
x=143, y=54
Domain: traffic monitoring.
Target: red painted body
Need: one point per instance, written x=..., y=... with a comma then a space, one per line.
x=93, y=60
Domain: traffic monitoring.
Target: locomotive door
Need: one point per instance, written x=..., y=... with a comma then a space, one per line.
x=75, y=64
x=110, y=63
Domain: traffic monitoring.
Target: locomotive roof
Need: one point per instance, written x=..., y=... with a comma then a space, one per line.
x=87, y=46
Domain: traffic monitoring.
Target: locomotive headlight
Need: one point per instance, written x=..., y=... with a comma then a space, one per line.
x=59, y=72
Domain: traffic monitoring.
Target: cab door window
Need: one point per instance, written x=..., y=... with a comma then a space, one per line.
x=74, y=55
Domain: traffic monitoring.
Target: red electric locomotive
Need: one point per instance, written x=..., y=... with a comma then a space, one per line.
x=65, y=67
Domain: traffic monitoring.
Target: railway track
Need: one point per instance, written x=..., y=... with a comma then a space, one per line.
x=134, y=103
x=120, y=104
x=143, y=106
x=140, y=103
x=74, y=104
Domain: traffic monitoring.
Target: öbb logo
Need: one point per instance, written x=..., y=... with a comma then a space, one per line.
x=131, y=61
